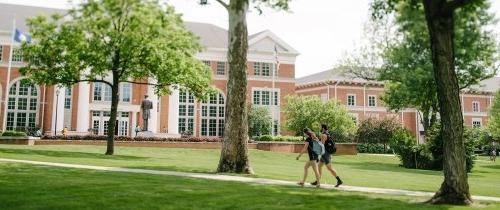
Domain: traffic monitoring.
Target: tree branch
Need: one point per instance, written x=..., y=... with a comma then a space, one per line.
x=92, y=80
x=224, y=4
x=452, y=5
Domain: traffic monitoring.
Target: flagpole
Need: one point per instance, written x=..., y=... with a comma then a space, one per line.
x=11, y=50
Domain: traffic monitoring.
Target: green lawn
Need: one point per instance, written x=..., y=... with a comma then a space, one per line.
x=360, y=170
x=41, y=187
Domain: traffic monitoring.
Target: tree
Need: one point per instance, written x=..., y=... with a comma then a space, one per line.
x=259, y=121
x=494, y=120
x=128, y=40
x=377, y=131
x=234, y=154
x=310, y=112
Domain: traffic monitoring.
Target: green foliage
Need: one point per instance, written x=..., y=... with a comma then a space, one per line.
x=259, y=121
x=430, y=155
x=266, y=138
x=407, y=60
x=310, y=112
x=373, y=148
x=376, y=131
x=13, y=133
x=494, y=120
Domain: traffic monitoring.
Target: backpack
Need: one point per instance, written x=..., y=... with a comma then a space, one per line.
x=330, y=146
x=318, y=147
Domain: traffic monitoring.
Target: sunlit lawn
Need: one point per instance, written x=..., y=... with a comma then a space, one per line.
x=40, y=187
x=360, y=170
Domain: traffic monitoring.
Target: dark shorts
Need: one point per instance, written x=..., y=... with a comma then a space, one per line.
x=313, y=156
x=326, y=158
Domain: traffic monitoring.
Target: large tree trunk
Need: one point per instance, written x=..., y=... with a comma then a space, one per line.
x=234, y=154
x=454, y=189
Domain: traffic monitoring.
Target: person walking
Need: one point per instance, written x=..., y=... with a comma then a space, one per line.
x=313, y=157
x=326, y=159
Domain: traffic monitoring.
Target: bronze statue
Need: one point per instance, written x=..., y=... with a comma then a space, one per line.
x=146, y=106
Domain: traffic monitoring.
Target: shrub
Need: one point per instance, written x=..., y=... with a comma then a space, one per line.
x=127, y=138
x=259, y=121
x=13, y=133
x=373, y=148
x=266, y=138
x=288, y=138
x=375, y=131
x=429, y=155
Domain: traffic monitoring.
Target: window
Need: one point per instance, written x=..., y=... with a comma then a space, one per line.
x=22, y=105
x=475, y=106
x=372, y=101
x=126, y=92
x=221, y=68
x=102, y=92
x=262, y=69
x=17, y=55
x=324, y=97
x=351, y=100
x=67, y=98
x=186, y=112
x=276, y=127
x=212, y=118
x=1, y=53
x=265, y=97
x=206, y=63
x=476, y=123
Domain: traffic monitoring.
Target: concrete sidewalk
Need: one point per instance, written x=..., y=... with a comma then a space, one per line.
x=240, y=179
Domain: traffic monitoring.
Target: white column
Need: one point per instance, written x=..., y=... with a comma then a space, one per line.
x=173, y=112
x=83, y=112
x=58, y=107
x=153, y=121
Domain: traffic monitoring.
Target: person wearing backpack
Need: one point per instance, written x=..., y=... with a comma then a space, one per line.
x=326, y=159
x=311, y=140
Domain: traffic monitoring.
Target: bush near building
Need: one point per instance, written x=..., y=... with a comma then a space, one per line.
x=13, y=133
x=429, y=156
x=374, y=133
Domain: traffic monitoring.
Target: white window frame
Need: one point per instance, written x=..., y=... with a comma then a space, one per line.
x=474, y=104
x=106, y=89
x=218, y=69
x=259, y=69
x=272, y=101
x=68, y=93
x=219, y=117
x=354, y=99
x=374, y=97
x=122, y=91
x=208, y=63
x=17, y=56
x=476, y=122
x=100, y=122
x=186, y=99
x=28, y=112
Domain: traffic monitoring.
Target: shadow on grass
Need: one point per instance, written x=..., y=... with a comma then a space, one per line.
x=66, y=154
x=93, y=190
x=377, y=166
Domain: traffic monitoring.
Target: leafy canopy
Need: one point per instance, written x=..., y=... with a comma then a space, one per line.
x=310, y=112
x=259, y=121
x=132, y=39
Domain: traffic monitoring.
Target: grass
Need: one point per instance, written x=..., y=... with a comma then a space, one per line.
x=40, y=187
x=360, y=170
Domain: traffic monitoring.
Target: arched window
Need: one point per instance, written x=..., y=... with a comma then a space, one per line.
x=186, y=112
x=22, y=105
x=212, y=116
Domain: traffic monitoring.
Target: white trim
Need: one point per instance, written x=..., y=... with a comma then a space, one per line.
x=271, y=100
x=312, y=89
x=276, y=39
x=347, y=100
x=375, y=97
x=218, y=119
x=478, y=106
x=27, y=111
x=106, y=106
x=479, y=114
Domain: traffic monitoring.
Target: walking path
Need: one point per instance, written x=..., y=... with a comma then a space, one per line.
x=240, y=179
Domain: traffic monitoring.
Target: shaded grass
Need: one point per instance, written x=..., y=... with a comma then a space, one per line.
x=41, y=187
x=360, y=170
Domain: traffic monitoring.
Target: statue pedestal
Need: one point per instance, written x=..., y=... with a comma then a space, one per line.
x=146, y=134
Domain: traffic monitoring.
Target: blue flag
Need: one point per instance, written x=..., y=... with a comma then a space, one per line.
x=21, y=37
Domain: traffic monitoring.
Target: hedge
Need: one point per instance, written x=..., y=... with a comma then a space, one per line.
x=13, y=133
x=127, y=138
x=279, y=138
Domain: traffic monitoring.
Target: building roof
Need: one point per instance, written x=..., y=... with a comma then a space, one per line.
x=21, y=13
x=335, y=75
x=211, y=36
x=330, y=76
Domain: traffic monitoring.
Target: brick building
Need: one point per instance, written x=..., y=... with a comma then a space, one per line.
x=84, y=107
x=362, y=99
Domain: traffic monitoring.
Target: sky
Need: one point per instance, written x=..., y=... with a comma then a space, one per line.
x=320, y=30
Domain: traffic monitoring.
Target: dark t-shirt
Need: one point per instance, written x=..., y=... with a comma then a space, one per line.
x=310, y=152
